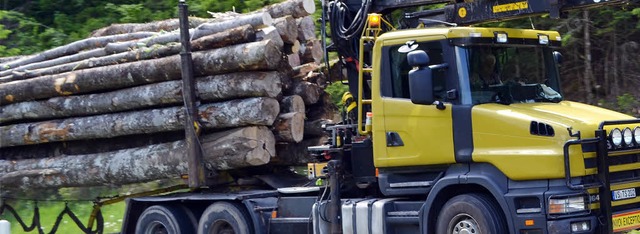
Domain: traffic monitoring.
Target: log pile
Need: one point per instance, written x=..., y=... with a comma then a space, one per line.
x=109, y=109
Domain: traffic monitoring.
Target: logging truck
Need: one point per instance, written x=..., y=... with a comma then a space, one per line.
x=428, y=144
x=446, y=128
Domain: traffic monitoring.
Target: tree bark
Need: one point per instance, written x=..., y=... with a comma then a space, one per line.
x=311, y=52
x=92, y=146
x=309, y=92
x=615, y=90
x=306, y=29
x=293, y=103
x=235, y=148
x=165, y=38
x=293, y=60
x=74, y=47
x=237, y=35
x=53, y=62
x=295, y=8
x=587, y=80
x=303, y=70
x=292, y=154
x=262, y=55
x=287, y=28
x=156, y=26
x=270, y=34
x=235, y=113
x=12, y=58
x=210, y=88
x=257, y=20
x=289, y=127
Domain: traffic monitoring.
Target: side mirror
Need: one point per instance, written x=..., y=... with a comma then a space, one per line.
x=420, y=78
x=558, y=57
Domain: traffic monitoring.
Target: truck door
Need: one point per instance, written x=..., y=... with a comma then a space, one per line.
x=414, y=134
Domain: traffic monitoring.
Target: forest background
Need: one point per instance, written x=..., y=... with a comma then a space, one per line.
x=601, y=51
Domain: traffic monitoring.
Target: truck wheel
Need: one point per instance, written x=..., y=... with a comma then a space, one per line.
x=225, y=218
x=470, y=213
x=161, y=219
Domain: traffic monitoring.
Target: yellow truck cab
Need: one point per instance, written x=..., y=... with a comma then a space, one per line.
x=439, y=127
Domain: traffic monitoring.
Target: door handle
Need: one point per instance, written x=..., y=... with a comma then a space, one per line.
x=394, y=139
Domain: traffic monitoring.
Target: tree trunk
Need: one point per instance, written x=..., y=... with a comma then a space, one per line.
x=289, y=127
x=306, y=29
x=74, y=47
x=293, y=103
x=210, y=88
x=12, y=58
x=93, y=146
x=129, y=56
x=615, y=90
x=262, y=55
x=235, y=148
x=316, y=78
x=293, y=60
x=53, y=62
x=588, y=70
x=174, y=37
x=292, y=154
x=235, y=113
x=314, y=128
x=309, y=92
x=311, y=52
x=295, y=8
x=303, y=70
x=270, y=34
x=237, y=35
x=287, y=28
x=156, y=26
x=257, y=20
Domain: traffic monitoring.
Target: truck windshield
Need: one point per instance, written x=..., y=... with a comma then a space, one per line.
x=512, y=74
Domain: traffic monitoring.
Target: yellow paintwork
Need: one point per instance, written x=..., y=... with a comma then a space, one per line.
x=500, y=132
x=501, y=137
x=420, y=126
x=461, y=32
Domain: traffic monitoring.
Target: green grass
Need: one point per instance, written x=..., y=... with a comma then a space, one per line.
x=49, y=211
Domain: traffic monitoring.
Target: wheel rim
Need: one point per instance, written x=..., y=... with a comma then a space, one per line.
x=156, y=227
x=463, y=224
x=221, y=227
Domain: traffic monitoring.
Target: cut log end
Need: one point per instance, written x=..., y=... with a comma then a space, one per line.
x=293, y=103
x=289, y=127
x=309, y=6
x=267, y=19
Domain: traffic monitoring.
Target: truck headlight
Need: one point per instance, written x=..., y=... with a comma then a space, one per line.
x=567, y=205
x=636, y=135
x=627, y=136
x=616, y=137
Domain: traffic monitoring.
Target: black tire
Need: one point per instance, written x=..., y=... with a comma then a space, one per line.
x=474, y=213
x=225, y=218
x=167, y=219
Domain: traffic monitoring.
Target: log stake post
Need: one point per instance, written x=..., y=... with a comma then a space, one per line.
x=193, y=150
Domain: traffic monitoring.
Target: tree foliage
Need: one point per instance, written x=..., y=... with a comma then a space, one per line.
x=27, y=27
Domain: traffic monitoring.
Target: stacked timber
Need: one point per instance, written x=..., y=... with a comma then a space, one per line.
x=108, y=110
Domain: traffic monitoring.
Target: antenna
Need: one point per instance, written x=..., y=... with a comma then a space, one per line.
x=427, y=22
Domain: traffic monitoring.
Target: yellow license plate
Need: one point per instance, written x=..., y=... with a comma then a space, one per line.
x=626, y=221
